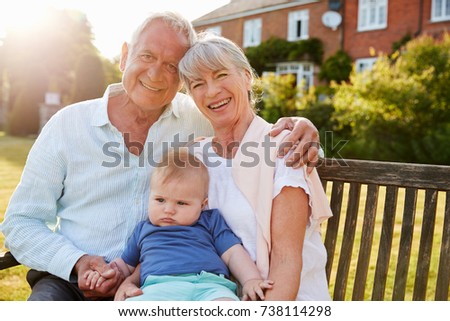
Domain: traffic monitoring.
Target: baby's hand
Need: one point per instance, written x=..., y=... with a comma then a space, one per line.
x=254, y=289
x=95, y=279
x=91, y=278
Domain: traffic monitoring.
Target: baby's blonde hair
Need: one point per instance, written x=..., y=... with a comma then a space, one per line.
x=179, y=164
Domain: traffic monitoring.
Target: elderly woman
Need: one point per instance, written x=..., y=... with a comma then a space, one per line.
x=275, y=210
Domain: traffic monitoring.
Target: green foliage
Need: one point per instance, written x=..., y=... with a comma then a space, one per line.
x=112, y=71
x=400, y=110
x=309, y=49
x=282, y=98
x=279, y=96
x=397, y=45
x=50, y=51
x=23, y=119
x=89, y=78
x=336, y=68
x=269, y=51
x=279, y=50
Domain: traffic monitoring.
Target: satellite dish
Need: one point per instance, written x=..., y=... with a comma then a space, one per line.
x=331, y=19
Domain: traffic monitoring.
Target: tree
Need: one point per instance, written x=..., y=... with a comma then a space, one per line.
x=49, y=51
x=89, y=78
x=23, y=120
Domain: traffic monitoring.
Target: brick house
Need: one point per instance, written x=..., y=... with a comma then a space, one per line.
x=362, y=28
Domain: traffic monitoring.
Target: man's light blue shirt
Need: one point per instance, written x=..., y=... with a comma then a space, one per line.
x=81, y=191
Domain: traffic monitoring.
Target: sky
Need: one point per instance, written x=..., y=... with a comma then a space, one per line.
x=112, y=21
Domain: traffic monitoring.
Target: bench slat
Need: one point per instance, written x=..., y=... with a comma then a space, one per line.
x=426, y=243
x=404, y=253
x=347, y=242
x=333, y=224
x=384, y=251
x=365, y=248
x=443, y=279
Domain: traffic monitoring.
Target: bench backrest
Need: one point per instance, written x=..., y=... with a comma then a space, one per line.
x=370, y=246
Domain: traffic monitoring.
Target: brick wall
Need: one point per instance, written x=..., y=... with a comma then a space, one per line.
x=275, y=23
x=403, y=17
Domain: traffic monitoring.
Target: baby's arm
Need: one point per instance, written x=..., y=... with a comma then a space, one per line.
x=126, y=269
x=246, y=272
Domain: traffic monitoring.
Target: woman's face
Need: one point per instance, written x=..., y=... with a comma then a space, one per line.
x=222, y=95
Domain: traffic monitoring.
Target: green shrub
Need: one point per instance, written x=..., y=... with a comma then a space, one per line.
x=336, y=68
x=400, y=110
x=263, y=57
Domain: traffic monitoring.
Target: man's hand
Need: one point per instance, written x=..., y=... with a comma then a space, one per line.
x=303, y=141
x=96, y=263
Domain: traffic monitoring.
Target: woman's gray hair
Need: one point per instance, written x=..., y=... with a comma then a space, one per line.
x=212, y=52
x=173, y=19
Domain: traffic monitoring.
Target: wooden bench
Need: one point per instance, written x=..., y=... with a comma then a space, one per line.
x=369, y=246
x=377, y=241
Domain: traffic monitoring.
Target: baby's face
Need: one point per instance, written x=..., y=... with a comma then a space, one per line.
x=175, y=203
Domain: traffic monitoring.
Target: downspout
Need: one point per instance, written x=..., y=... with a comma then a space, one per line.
x=343, y=24
x=419, y=27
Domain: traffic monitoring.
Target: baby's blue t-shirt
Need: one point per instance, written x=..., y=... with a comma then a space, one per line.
x=174, y=250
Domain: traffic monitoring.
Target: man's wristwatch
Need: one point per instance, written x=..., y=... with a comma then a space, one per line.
x=321, y=154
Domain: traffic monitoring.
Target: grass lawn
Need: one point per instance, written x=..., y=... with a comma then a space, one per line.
x=13, y=152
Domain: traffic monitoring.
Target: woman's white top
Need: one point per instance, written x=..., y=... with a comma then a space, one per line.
x=226, y=196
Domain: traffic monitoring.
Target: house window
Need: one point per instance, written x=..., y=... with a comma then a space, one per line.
x=372, y=14
x=252, y=32
x=298, y=25
x=301, y=71
x=364, y=64
x=217, y=30
x=440, y=10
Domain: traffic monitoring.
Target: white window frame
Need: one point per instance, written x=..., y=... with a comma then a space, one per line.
x=217, y=30
x=372, y=14
x=303, y=70
x=296, y=17
x=252, y=32
x=364, y=64
x=440, y=10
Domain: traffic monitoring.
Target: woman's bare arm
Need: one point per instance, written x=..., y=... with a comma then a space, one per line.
x=290, y=213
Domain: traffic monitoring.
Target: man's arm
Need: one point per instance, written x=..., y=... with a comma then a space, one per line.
x=303, y=139
x=34, y=205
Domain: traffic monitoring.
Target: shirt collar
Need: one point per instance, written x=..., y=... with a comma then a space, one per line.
x=100, y=117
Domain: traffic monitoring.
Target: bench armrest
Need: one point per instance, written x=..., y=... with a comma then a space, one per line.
x=7, y=260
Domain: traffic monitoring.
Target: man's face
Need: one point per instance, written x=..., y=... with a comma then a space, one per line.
x=150, y=66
